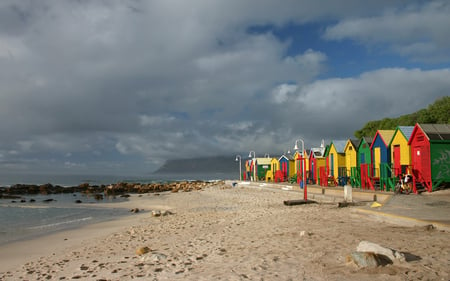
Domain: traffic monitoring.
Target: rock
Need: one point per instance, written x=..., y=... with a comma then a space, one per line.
x=98, y=196
x=135, y=210
x=48, y=200
x=78, y=201
x=158, y=257
x=369, y=259
x=366, y=246
x=142, y=250
x=156, y=213
x=166, y=213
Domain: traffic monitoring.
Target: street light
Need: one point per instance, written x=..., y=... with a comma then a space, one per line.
x=240, y=170
x=254, y=167
x=305, y=194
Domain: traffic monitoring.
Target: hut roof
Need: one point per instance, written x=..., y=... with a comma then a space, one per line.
x=436, y=131
x=339, y=145
x=406, y=130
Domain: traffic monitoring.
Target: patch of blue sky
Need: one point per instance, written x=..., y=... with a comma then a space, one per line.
x=345, y=58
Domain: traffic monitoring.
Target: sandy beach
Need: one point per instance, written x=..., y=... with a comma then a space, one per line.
x=227, y=233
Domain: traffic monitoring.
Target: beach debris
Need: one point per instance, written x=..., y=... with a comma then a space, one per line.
x=368, y=259
x=429, y=227
x=298, y=202
x=166, y=213
x=375, y=205
x=142, y=250
x=158, y=213
x=393, y=255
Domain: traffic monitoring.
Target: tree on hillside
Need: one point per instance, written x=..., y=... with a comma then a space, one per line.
x=436, y=113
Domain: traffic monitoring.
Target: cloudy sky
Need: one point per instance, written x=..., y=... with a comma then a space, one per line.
x=118, y=87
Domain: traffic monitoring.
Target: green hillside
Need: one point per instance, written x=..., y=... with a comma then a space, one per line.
x=436, y=113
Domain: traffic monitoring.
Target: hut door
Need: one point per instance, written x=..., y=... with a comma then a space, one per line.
x=397, y=164
x=332, y=164
x=417, y=159
x=363, y=158
x=377, y=161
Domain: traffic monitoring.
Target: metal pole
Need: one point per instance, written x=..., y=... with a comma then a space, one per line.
x=240, y=169
x=305, y=192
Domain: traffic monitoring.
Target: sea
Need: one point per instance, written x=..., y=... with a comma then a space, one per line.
x=32, y=216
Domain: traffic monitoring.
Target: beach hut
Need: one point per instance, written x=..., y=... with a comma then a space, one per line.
x=381, y=152
x=400, y=151
x=381, y=160
x=287, y=166
x=274, y=167
x=262, y=166
x=364, y=162
x=351, y=155
x=430, y=155
x=336, y=162
x=316, y=161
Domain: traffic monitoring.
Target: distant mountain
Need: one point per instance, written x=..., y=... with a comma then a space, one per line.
x=216, y=164
x=436, y=113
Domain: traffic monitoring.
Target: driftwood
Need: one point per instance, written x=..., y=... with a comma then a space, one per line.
x=298, y=202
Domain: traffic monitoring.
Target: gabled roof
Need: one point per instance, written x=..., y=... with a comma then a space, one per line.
x=288, y=157
x=318, y=151
x=406, y=130
x=350, y=142
x=367, y=140
x=386, y=137
x=339, y=145
x=355, y=142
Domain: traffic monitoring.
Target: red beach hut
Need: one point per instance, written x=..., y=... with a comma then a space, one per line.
x=430, y=155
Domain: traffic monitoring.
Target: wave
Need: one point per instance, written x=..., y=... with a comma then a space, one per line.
x=59, y=223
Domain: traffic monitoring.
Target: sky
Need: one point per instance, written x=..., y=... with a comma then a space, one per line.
x=119, y=87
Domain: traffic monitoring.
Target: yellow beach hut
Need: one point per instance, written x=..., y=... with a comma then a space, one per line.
x=274, y=166
x=351, y=155
x=400, y=150
x=336, y=161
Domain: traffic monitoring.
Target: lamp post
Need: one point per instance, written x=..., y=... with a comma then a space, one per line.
x=253, y=163
x=240, y=170
x=305, y=193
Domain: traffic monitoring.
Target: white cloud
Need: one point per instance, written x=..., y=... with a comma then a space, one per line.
x=282, y=92
x=416, y=31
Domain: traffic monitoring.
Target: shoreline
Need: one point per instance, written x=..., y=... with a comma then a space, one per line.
x=224, y=232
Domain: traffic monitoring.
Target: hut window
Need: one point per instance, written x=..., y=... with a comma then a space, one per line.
x=420, y=138
x=350, y=148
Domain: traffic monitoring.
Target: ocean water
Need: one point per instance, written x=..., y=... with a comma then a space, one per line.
x=26, y=220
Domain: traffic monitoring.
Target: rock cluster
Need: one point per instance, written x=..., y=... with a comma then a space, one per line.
x=99, y=191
